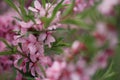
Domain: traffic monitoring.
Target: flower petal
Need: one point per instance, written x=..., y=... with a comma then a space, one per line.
x=32, y=38
x=49, y=40
x=42, y=37
x=32, y=9
x=32, y=48
x=33, y=71
x=37, y=4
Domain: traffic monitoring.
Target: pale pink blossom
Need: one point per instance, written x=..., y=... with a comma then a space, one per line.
x=26, y=24
x=47, y=38
x=107, y=6
x=55, y=71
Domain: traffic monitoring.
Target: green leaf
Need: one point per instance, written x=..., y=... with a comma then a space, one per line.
x=70, y=9
x=30, y=17
x=76, y=22
x=110, y=75
x=57, y=50
x=17, y=18
x=29, y=78
x=43, y=3
x=26, y=75
x=51, y=51
x=26, y=16
x=11, y=4
x=23, y=11
x=44, y=20
x=7, y=53
x=57, y=47
x=56, y=9
x=105, y=74
x=42, y=69
x=22, y=2
x=5, y=42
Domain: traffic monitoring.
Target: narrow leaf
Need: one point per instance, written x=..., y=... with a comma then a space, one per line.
x=56, y=9
x=5, y=42
x=43, y=3
x=11, y=4
x=7, y=53
x=70, y=9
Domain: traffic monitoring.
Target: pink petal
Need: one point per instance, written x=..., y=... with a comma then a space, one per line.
x=24, y=69
x=2, y=46
x=42, y=12
x=33, y=71
x=32, y=48
x=38, y=70
x=33, y=58
x=30, y=65
x=26, y=24
x=32, y=9
x=37, y=4
x=42, y=37
x=49, y=40
x=32, y=38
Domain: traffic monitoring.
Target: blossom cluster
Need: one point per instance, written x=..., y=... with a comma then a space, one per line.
x=27, y=42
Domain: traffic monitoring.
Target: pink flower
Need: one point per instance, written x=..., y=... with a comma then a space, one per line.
x=2, y=46
x=55, y=70
x=33, y=45
x=26, y=24
x=47, y=38
x=47, y=11
x=19, y=76
x=75, y=76
x=38, y=8
x=76, y=47
x=35, y=68
x=17, y=58
x=36, y=64
x=106, y=6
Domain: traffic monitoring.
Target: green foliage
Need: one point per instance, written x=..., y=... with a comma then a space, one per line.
x=105, y=74
x=43, y=3
x=11, y=4
x=7, y=52
x=49, y=20
x=11, y=49
x=5, y=42
x=56, y=47
x=26, y=75
x=69, y=9
x=25, y=15
x=76, y=22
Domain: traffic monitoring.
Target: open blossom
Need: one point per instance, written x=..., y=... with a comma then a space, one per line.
x=6, y=27
x=5, y=64
x=34, y=55
x=35, y=69
x=30, y=39
x=37, y=8
x=107, y=6
x=55, y=71
x=47, y=38
x=47, y=11
x=80, y=5
x=26, y=24
x=2, y=46
x=103, y=33
x=40, y=11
